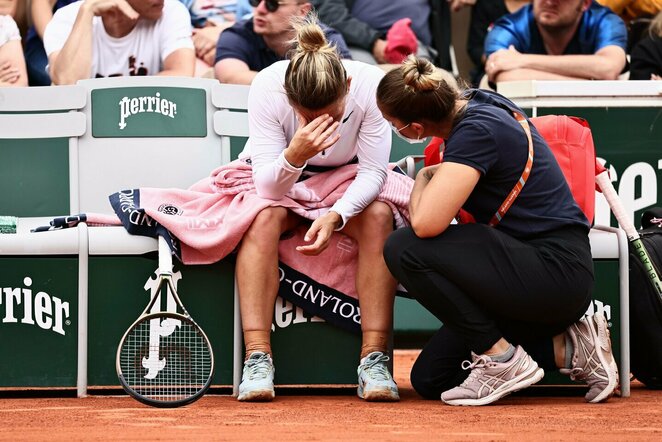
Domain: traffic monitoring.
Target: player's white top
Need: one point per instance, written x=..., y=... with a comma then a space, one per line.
x=364, y=134
x=140, y=53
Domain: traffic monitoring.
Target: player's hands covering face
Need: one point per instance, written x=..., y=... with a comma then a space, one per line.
x=311, y=138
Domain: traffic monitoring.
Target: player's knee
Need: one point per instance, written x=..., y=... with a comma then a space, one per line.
x=379, y=216
x=267, y=224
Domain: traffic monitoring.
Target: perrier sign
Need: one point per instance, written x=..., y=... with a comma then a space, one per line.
x=149, y=112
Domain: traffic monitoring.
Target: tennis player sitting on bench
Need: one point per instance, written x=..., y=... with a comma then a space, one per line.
x=316, y=110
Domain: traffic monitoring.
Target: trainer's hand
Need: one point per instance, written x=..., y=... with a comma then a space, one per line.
x=100, y=7
x=321, y=231
x=311, y=138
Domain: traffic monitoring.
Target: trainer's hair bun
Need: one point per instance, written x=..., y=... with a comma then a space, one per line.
x=420, y=74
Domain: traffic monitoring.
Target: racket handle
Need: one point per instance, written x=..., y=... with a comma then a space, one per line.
x=165, y=257
x=616, y=205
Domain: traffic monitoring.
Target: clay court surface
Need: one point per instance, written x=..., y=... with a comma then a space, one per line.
x=336, y=417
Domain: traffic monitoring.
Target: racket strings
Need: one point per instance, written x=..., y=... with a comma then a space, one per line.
x=166, y=359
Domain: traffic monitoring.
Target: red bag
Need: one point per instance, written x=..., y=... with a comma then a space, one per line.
x=572, y=144
x=571, y=141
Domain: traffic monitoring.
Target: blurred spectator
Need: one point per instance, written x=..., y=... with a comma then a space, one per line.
x=35, y=56
x=646, y=57
x=12, y=63
x=631, y=9
x=557, y=40
x=365, y=25
x=483, y=16
x=251, y=45
x=110, y=38
x=209, y=18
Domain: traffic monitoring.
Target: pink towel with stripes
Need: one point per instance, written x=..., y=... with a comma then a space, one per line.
x=205, y=223
x=209, y=219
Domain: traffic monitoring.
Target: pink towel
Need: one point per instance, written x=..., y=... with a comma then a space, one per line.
x=212, y=216
x=207, y=222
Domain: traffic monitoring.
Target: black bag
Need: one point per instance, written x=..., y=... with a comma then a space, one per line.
x=646, y=306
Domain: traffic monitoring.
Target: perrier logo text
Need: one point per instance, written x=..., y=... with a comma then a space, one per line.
x=46, y=311
x=139, y=105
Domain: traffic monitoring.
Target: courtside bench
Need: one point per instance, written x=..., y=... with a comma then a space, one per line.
x=112, y=141
x=68, y=296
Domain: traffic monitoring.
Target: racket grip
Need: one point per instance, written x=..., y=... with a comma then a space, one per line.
x=616, y=205
x=165, y=257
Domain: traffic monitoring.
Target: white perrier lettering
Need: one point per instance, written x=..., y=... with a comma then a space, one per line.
x=139, y=105
x=46, y=311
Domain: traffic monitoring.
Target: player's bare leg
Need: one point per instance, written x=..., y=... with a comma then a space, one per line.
x=376, y=289
x=257, y=281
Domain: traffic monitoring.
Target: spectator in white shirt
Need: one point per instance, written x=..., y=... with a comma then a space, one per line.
x=108, y=38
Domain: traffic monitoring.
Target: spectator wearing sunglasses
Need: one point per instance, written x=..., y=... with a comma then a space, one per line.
x=110, y=38
x=251, y=45
x=311, y=113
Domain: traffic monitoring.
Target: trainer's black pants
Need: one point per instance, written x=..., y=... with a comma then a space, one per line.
x=483, y=285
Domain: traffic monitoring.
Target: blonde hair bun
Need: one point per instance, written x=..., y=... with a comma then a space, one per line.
x=309, y=36
x=315, y=76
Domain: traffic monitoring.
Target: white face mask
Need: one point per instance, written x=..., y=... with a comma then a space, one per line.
x=407, y=139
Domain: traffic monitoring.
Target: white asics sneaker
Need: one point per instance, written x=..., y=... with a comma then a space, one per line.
x=592, y=359
x=489, y=381
x=257, y=380
x=375, y=382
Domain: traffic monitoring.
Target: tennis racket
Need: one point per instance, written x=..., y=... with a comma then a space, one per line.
x=164, y=359
x=617, y=208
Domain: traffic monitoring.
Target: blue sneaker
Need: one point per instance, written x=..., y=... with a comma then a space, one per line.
x=257, y=380
x=375, y=382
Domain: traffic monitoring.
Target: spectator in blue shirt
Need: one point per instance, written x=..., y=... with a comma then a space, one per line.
x=251, y=45
x=483, y=15
x=557, y=40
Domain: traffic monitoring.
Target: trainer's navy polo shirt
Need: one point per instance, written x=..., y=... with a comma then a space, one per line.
x=241, y=42
x=489, y=139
